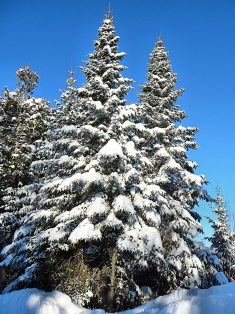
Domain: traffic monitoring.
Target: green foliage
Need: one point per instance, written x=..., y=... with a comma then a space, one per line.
x=90, y=286
x=27, y=80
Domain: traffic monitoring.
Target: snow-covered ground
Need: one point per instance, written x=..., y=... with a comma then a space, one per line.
x=216, y=300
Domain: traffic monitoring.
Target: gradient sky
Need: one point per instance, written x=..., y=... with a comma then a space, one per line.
x=199, y=34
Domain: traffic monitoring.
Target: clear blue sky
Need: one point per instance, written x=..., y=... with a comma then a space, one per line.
x=199, y=34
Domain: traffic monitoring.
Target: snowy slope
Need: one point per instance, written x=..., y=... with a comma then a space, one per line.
x=216, y=300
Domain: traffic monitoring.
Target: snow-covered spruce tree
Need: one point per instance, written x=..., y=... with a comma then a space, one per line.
x=223, y=238
x=82, y=200
x=166, y=145
x=24, y=120
x=69, y=105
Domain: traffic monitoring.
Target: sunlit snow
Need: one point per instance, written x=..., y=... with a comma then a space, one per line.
x=215, y=300
x=111, y=148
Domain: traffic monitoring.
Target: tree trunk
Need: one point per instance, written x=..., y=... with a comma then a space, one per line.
x=2, y=278
x=105, y=294
x=112, y=283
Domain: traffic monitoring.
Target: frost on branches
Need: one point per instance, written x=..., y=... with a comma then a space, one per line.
x=110, y=210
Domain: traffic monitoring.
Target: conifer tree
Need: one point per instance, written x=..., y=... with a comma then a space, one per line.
x=69, y=104
x=174, y=174
x=23, y=122
x=223, y=238
x=80, y=193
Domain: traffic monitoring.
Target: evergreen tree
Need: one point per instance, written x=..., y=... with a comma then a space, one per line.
x=24, y=123
x=111, y=208
x=86, y=156
x=24, y=120
x=223, y=238
x=68, y=112
x=166, y=145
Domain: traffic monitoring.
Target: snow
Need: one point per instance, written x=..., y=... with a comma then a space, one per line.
x=130, y=148
x=55, y=182
x=7, y=260
x=155, y=131
x=182, y=247
x=127, y=111
x=191, y=177
x=23, y=230
x=6, y=249
x=181, y=128
x=151, y=189
x=97, y=207
x=163, y=153
x=68, y=128
x=64, y=159
x=111, y=148
x=153, y=216
x=141, y=127
x=141, y=238
x=33, y=301
x=90, y=176
x=53, y=234
x=97, y=104
x=123, y=203
x=85, y=231
x=12, y=94
x=215, y=300
x=112, y=221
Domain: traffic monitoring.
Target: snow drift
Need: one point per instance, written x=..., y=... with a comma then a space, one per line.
x=215, y=300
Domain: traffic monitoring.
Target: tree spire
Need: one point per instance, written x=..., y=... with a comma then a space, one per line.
x=108, y=13
x=71, y=72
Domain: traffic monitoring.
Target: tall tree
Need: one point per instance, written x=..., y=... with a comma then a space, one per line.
x=166, y=147
x=86, y=156
x=24, y=122
x=223, y=238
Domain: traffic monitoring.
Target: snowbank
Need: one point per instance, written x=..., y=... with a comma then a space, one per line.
x=33, y=301
x=216, y=300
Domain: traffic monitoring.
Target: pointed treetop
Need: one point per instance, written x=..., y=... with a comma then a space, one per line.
x=108, y=13
x=159, y=38
x=71, y=72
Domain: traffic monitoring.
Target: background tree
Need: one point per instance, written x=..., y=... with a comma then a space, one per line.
x=223, y=238
x=69, y=104
x=24, y=122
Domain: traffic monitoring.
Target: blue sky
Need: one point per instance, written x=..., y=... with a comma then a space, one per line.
x=199, y=34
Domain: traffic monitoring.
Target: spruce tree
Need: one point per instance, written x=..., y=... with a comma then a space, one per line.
x=78, y=203
x=24, y=120
x=24, y=123
x=223, y=238
x=166, y=145
x=69, y=104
